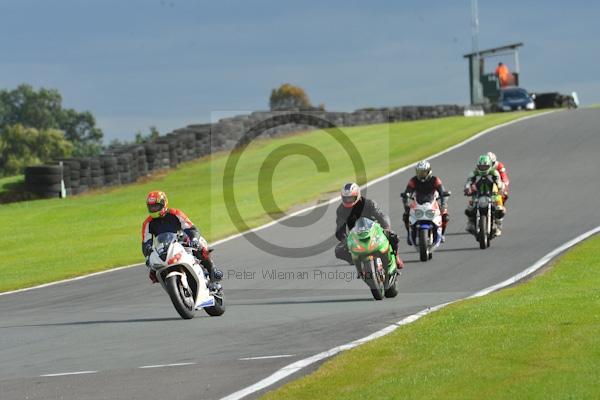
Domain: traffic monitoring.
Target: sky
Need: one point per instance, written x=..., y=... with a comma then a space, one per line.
x=171, y=63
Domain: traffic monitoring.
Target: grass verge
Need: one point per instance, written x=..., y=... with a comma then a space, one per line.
x=48, y=240
x=8, y=183
x=537, y=340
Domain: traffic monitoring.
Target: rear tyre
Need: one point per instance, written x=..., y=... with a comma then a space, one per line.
x=182, y=301
x=423, y=238
x=372, y=279
x=483, y=232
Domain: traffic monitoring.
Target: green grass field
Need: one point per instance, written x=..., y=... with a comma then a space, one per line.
x=9, y=182
x=47, y=240
x=537, y=340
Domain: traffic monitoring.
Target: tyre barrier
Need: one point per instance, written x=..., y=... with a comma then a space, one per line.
x=553, y=100
x=110, y=167
x=72, y=178
x=126, y=164
x=44, y=180
x=96, y=173
x=84, y=174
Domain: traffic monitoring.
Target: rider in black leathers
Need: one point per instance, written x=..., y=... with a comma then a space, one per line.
x=353, y=207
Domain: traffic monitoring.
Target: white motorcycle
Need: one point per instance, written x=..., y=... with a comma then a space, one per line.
x=425, y=220
x=183, y=278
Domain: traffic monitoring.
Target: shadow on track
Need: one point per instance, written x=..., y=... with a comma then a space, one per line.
x=459, y=249
x=287, y=302
x=122, y=321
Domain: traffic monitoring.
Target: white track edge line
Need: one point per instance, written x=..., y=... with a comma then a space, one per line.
x=332, y=200
x=69, y=373
x=298, y=365
x=166, y=365
x=266, y=357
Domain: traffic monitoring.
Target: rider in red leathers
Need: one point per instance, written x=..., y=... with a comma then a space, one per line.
x=503, y=174
x=425, y=184
x=165, y=219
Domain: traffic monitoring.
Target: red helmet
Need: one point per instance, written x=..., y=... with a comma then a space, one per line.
x=157, y=204
x=350, y=194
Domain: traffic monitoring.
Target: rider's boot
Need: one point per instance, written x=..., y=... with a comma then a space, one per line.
x=471, y=225
x=498, y=224
x=214, y=274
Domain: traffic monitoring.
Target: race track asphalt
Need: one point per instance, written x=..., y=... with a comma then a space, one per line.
x=116, y=323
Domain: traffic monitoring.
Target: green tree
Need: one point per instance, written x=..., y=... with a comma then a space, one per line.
x=80, y=129
x=43, y=110
x=140, y=138
x=21, y=146
x=29, y=108
x=289, y=97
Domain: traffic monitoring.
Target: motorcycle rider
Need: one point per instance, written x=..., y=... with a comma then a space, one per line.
x=353, y=207
x=503, y=175
x=425, y=184
x=164, y=219
x=484, y=169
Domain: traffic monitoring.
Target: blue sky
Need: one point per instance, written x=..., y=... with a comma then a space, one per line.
x=170, y=63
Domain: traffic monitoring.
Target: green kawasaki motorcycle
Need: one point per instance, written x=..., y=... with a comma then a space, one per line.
x=373, y=257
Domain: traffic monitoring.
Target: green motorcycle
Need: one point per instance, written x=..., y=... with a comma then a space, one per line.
x=374, y=258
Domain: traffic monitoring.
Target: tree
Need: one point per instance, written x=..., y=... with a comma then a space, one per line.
x=289, y=97
x=29, y=108
x=140, y=138
x=21, y=146
x=80, y=129
x=43, y=110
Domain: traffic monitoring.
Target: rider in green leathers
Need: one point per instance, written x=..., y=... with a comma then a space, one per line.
x=485, y=168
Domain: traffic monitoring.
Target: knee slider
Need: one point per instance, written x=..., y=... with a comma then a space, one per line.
x=340, y=250
x=500, y=213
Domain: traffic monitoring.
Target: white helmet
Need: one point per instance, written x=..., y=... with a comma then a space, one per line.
x=350, y=194
x=423, y=170
x=492, y=157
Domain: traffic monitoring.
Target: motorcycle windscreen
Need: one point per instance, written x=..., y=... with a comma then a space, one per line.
x=162, y=242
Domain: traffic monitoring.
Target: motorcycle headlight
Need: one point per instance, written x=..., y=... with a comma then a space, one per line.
x=419, y=214
x=483, y=202
x=430, y=214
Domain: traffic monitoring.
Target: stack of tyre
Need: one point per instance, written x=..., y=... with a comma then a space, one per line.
x=187, y=144
x=157, y=155
x=124, y=162
x=96, y=173
x=85, y=175
x=71, y=175
x=166, y=153
x=173, y=153
x=44, y=180
x=202, y=139
x=110, y=166
x=139, y=166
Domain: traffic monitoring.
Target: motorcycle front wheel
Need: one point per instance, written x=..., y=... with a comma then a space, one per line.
x=219, y=308
x=182, y=299
x=423, y=244
x=372, y=279
x=484, y=237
